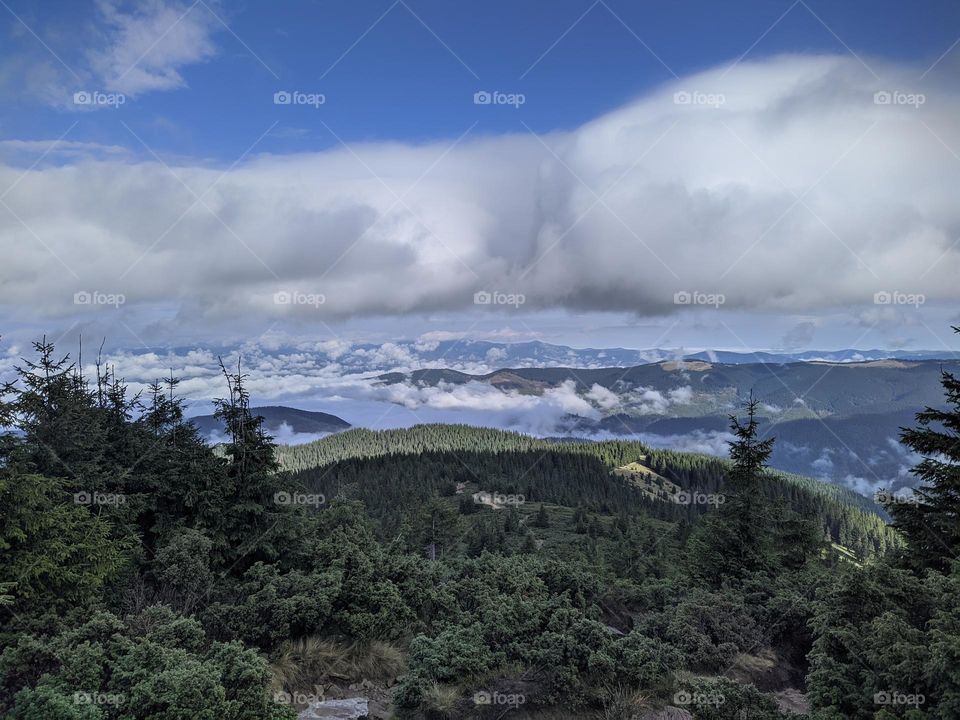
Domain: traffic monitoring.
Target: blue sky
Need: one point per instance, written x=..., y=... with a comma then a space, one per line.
x=590, y=188
x=408, y=70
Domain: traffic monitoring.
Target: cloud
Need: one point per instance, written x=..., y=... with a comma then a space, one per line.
x=283, y=435
x=495, y=355
x=692, y=198
x=17, y=150
x=823, y=465
x=650, y=401
x=713, y=442
x=800, y=336
x=145, y=48
x=130, y=48
x=604, y=398
x=862, y=485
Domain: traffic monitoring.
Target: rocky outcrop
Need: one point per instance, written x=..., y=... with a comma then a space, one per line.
x=343, y=709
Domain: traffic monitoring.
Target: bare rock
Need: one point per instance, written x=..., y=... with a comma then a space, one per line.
x=343, y=709
x=792, y=701
x=667, y=713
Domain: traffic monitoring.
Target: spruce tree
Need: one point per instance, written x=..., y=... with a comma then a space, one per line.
x=56, y=411
x=734, y=540
x=258, y=508
x=931, y=522
x=436, y=528
x=542, y=519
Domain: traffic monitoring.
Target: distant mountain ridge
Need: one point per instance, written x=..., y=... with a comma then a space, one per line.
x=276, y=416
x=478, y=355
x=797, y=389
x=845, y=356
x=837, y=420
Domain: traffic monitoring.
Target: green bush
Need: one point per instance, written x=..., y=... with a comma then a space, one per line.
x=157, y=666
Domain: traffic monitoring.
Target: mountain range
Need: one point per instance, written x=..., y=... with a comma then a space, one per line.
x=836, y=414
x=276, y=417
x=477, y=356
x=833, y=420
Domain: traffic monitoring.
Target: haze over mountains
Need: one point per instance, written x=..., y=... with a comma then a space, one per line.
x=484, y=356
x=836, y=414
x=834, y=420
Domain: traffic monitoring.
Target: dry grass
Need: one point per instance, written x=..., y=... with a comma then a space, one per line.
x=440, y=701
x=309, y=661
x=624, y=704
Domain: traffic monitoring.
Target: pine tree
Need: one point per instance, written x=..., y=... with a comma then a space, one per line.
x=511, y=522
x=436, y=527
x=931, y=524
x=542, y=519
x=57, y=413
x=530, y=545
x=580, y=521
x=256, y=512
x=734, y=541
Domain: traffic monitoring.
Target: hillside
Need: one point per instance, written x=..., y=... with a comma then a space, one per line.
x=277, y=416
x=441, y=572
x=391, y=466
x=838, y=421
x=827, y=389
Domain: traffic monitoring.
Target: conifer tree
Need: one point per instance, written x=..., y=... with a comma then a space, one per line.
x=735, y=540
x=931, y=522
x=436, y=528
x=542, y=519
x=57, y=414
x=257, y=507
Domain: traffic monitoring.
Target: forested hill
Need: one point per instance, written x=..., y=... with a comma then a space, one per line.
x=275, y=417
x=419, y=574
x=389, y=469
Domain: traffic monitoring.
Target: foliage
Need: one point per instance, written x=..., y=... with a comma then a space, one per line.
x=168, y=603
x=930, y=519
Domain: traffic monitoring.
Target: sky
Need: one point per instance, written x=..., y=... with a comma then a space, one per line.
x=750, y=175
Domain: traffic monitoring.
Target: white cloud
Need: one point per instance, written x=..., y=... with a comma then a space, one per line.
x=604, y=398
x=146, y=47
x=862, y=485
x=495, y=355
x=699, y=188
x=823, y=465
x=15, y=150
x=711, y=442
